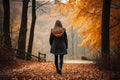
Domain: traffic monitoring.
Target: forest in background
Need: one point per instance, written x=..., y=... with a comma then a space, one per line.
x=44, y=23
x=97, y=15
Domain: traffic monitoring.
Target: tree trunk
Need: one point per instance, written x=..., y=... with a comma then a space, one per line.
x=105, y=33
x=73, y=42
x=6, y=23
x=23, y=30
x=32, y=30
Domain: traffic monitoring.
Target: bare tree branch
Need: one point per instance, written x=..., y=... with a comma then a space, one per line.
x=43, y=10
x=39, y=5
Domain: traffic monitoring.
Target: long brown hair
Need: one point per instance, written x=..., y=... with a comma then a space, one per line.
x=58, y=24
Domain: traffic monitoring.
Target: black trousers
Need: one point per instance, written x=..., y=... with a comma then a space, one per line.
x=58, y=62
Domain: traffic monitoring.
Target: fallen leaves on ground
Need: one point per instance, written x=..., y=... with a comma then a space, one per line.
x=33, y=70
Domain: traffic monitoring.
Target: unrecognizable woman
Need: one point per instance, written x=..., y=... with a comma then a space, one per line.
x=59, y=44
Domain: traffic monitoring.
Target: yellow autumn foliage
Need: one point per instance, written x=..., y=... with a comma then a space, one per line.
x=88, y=13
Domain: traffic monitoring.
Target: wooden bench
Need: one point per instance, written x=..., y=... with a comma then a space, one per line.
x=41, y=57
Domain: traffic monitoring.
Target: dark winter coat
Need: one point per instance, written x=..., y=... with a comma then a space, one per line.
x=58, y=41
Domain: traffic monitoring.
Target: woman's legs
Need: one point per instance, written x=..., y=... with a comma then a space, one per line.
x=61, y=63
x=59, y=66
x=56, y=63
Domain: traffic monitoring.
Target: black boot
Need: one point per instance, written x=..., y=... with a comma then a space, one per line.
x=60, y=72
x=57, y=70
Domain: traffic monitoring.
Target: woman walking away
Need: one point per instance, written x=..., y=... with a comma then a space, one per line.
x=59, y=44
